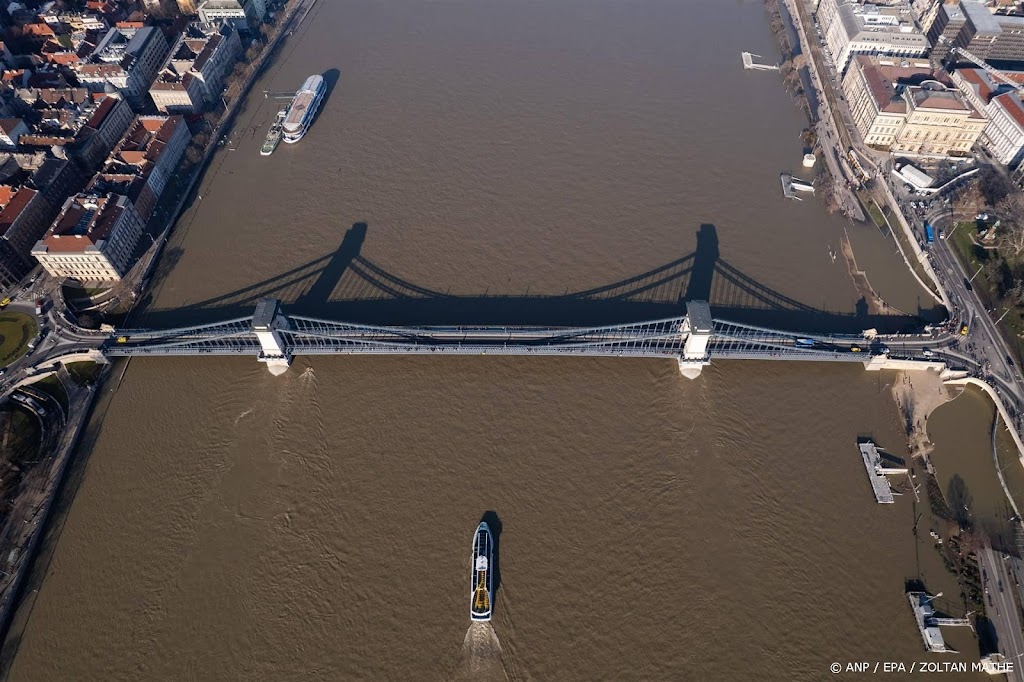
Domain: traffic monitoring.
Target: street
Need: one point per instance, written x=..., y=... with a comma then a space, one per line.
x=1001, y=608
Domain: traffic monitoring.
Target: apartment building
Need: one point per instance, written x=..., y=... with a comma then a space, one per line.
x=193, y=74
x=128, y=65
x=238, y=12
x=850, y=28
x=144, y=161
x=970, y=24
x=93, y=240
x=1003, y=136
x=22, y=222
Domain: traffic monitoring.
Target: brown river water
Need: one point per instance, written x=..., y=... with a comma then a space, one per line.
x=489, y=161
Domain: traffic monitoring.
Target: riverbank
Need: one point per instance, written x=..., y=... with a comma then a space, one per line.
x=35, y=503
x=841, y=197
x=28, y=521
x=917, y=395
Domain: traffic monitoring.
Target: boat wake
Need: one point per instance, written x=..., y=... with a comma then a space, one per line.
x=481, y=655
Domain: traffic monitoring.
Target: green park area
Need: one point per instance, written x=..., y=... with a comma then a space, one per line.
x=16, y=330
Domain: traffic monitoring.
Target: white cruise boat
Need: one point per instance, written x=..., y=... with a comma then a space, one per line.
x=303, y=108
x=482, y=580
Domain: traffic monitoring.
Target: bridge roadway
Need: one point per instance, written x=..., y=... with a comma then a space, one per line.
x=657, y=338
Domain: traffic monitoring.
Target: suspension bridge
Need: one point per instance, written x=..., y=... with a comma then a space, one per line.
x=275, y=338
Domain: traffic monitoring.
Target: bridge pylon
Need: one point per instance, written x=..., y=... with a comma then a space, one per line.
x=266, y=322
x=696, y=331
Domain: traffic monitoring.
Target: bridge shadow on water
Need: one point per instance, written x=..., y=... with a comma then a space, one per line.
x=345, y=285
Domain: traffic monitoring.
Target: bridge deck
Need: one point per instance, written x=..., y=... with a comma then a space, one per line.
x=656, y=338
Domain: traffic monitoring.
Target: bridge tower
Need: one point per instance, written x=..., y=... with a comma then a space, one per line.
x=696, y=329
x=266, y=322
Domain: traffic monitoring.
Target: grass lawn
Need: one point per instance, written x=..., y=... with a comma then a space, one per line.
x=16, y=330
x=876, y=213
x=84, y=373
x=51, y=386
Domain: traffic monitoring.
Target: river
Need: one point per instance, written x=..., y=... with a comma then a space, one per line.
x=487, y=161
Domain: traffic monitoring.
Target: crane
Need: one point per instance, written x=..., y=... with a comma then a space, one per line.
x=995, y=73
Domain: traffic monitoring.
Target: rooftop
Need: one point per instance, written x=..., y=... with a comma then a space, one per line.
x=928, y=98
x=984, y=85
x=985, y=22
x=1012, y=104
x=146, y=139
x=14, y=208
x=886, y=79
x=84, y=221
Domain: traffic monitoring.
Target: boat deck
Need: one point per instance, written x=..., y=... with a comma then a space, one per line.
x=924, y=615
x=876, y=475
x=297, y=112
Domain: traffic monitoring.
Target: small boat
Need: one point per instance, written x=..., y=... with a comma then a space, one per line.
x=482, y=575
x=274, y=134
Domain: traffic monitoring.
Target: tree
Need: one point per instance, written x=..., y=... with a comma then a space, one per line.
x=994, y=186
x=1011, y=222
x=1015, y=294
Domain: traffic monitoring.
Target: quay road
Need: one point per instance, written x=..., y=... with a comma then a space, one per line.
x=1001, y=608
x=985, y=344
x=836, y=132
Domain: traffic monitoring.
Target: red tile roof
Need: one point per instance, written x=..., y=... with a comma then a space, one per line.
x=1012, y=103
x=14, y=208
x=98, y=116
x=78, y=227
x=883, y=80
x=6, y=193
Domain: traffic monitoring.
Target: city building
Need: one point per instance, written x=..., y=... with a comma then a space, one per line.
x=55, y=180
x=851, y=28
x=1003, y=136
x=127, y=64
x=906, y=106
x=188, y=7
x=22, y=222
x=11, y=130
x=193, y=75
x=93, y=240
x=970, y=24
x=71, y=127
x=101, y=132
x=237, y=12
x=144, y=161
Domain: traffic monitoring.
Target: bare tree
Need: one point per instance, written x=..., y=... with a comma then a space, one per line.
x=1015, y=294
x=1011, y=225
x=994, y=186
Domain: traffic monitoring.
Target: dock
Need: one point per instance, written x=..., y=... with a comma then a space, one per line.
x=787, y=187
x=928, y=623
x=750, y=64
x=877, y=473
x=791, y=185
x=801, y=185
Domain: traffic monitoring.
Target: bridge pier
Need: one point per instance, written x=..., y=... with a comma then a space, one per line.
x=265, y=323
x=696, y=330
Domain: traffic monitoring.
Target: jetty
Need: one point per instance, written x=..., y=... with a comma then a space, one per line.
x=750, y=64
x=928, y=623
x=791, y=185
x=877, y=473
